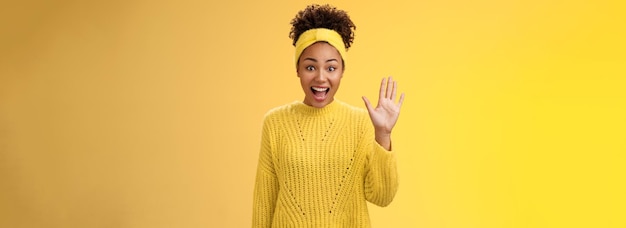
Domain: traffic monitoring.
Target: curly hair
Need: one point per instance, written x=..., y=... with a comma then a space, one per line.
x=323, y=16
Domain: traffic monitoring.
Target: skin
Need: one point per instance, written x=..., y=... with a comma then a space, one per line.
x=320, y=66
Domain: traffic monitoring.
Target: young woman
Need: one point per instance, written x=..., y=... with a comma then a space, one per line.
x=322, y=159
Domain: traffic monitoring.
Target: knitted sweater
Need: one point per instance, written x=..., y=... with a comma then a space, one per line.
x=318, y=166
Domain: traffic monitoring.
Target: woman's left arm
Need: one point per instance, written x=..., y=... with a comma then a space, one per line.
x=385, y=115
x=381, y=181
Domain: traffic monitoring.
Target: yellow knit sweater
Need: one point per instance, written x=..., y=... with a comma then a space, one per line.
x=318, y=166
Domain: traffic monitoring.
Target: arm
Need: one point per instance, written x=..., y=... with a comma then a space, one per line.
x=266, y=184
x=381, y=182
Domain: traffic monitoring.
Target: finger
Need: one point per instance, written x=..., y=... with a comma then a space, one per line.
x=367, y=104
x=381, y=94
x=393, y=92
x=401, y=100
x=389, y=87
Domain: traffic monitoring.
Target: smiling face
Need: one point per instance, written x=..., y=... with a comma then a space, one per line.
x=320, y=70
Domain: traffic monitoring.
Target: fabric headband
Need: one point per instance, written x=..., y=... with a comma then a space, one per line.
x=312, y=36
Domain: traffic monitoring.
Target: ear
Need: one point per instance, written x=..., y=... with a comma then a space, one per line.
x=298, y=68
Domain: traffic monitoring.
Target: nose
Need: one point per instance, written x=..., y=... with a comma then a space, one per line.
x=320, y=76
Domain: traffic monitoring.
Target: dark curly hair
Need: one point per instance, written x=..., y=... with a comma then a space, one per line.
x=323, y=16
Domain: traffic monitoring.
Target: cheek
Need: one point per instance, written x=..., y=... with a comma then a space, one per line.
x=337, y=78
x=306, y=76
x=304, y=80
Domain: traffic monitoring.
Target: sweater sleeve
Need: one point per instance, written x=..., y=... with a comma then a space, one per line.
x=381, y=180
x=266, y=184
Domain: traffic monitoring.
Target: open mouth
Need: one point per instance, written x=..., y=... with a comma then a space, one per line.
x=319, y=93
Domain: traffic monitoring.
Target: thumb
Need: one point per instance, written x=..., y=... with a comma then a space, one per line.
x=368, y=105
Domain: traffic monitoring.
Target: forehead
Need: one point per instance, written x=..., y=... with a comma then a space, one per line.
x=321, y=50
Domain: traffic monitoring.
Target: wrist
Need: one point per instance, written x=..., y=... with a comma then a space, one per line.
x=383, y=139
x=382, y=133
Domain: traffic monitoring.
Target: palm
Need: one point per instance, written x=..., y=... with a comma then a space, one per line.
x=385, y=115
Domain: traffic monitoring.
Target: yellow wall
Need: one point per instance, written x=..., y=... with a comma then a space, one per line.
x=148, y=114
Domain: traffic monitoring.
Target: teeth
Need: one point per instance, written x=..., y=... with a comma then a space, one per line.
x=319, y=89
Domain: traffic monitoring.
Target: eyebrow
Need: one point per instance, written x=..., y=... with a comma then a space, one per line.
x=315, y=60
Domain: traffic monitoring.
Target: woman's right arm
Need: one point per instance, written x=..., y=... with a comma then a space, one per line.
x=266, y=184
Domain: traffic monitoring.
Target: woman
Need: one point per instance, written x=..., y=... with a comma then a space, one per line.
x=322, y=159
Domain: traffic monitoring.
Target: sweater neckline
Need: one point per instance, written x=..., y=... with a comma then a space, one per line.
x=303, y=108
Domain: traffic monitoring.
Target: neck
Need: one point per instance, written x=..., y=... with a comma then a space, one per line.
x=310, y=110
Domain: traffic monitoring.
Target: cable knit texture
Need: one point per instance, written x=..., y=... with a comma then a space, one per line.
x=318, y=166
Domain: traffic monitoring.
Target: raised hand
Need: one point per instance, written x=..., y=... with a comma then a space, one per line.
x=385, y=115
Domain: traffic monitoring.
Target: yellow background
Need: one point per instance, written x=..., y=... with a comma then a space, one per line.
x=148, y=113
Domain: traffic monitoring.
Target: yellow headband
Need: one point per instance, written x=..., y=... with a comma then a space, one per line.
x=312, y=36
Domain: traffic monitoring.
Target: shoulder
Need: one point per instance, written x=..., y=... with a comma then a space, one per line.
x=357, y=119
x=353, y=111
x=280, y=111
x=276, y=116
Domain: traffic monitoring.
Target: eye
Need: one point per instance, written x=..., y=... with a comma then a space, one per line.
x=310, y=68
x=331, y=69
